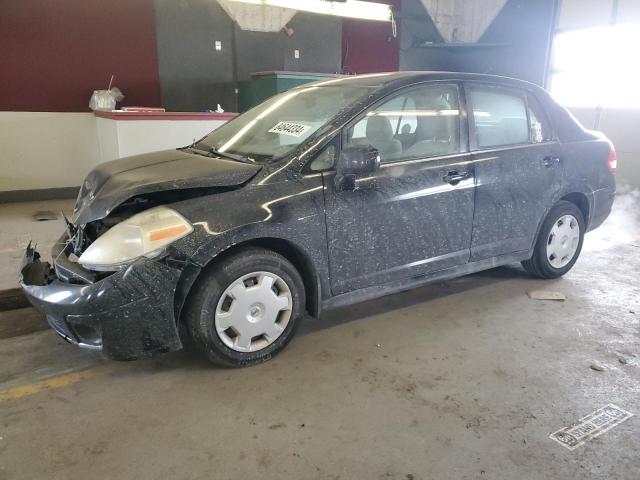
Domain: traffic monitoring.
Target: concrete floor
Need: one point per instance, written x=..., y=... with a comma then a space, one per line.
x=463, y=379
x=19, y=228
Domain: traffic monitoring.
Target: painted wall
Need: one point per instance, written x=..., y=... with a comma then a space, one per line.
x=195, y=76
x=526, y=28
x=515, y=43
x=318, y=38
x=368, y=46
x=54, y=54
x=162, y=52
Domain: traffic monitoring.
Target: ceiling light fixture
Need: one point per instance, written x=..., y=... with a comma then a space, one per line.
x=348, y=8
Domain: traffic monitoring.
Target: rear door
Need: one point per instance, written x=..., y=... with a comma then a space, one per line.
x=518, y=168
x=414, y=215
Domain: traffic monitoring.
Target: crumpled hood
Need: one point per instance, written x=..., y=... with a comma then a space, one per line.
x=112, y=183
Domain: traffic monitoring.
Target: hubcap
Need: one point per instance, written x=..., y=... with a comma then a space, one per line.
x=253, y=311
x=563, y=241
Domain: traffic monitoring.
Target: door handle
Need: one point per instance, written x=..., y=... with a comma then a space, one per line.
x=454, y=177
x=550, y=161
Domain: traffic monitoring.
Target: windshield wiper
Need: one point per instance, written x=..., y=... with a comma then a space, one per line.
x=213, y=151
x=232, y=156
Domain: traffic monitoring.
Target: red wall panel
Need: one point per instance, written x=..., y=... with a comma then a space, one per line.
x=369, y=46
x=53, y=54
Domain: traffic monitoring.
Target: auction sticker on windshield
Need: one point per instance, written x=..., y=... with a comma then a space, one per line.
x=289, y=128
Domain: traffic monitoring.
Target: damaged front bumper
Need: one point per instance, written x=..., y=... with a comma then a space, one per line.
x=127, y=315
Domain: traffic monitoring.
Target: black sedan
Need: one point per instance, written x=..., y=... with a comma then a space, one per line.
x=325, y=195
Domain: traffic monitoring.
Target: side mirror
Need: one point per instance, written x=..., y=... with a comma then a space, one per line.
x=356, y=161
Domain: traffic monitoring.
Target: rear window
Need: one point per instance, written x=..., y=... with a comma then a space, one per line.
x=500, y=117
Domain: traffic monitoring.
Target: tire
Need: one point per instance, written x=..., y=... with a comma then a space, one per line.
x=541, y=264
x=237, y=292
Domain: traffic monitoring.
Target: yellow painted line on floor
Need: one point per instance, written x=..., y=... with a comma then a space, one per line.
x=60, y=381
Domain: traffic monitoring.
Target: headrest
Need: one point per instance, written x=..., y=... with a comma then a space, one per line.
x=379, y=128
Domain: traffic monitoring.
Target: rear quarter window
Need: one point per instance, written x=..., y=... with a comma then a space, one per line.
x=540, y=129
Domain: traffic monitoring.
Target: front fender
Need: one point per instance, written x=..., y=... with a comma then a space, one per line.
x=291, y=211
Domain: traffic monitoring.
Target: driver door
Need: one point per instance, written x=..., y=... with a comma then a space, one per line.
x=414, y=214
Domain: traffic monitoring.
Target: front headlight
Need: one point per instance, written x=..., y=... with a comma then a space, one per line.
x=145, y=234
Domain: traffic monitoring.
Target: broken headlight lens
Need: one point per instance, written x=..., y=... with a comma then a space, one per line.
x=145, y=234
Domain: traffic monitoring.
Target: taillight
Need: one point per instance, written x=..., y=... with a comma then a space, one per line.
x=612, y=159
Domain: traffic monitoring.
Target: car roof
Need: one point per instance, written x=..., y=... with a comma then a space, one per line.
x=400, y=79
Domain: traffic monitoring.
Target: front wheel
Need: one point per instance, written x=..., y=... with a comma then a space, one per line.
x=559, y=242
x=246, y=309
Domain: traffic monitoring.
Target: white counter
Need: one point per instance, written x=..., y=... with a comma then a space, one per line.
x=44, y=150
x=121, y=134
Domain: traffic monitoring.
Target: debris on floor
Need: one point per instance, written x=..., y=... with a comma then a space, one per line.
x=591, y=426
x=45, y=215
x=597, y=367
x=623, y=360
x=546, y=295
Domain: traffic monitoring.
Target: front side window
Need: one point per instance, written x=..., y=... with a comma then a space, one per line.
x=500, y=117
x=281, y=123
x=419, y=123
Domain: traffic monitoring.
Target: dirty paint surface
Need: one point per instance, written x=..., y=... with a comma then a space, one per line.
x=403, y=226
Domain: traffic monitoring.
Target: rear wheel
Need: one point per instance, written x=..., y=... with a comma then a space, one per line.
x=559, y=242
x=246, y=309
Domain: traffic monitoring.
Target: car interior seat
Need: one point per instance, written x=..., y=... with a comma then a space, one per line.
x=436, y=134
x=379, y=134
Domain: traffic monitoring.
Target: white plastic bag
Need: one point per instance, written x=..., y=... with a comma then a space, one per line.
x=105, y=99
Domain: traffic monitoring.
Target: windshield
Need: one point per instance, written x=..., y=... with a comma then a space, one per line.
x=281, y=123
